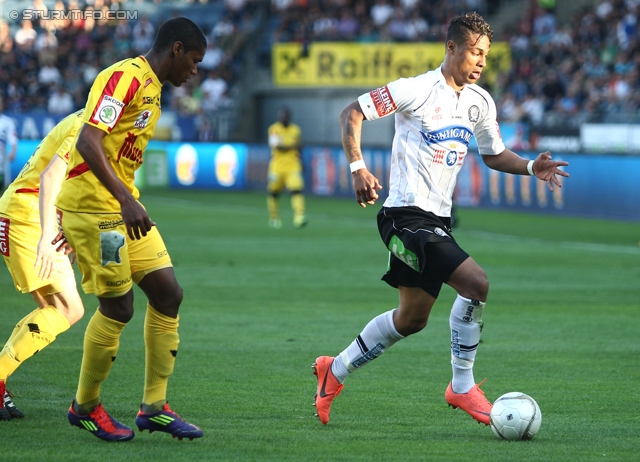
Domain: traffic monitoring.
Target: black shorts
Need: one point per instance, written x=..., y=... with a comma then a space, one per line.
x=422, y=251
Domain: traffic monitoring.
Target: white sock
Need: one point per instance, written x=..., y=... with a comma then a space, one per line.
x=466, y=324
x=376, y=337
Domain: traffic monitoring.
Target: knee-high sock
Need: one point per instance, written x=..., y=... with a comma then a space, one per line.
x=465, y=321
x=297, y=204
x=272, y=206
x=161, y=342
x=101, y=342
x=19, y=325
x=374, y=339
x=37, y=330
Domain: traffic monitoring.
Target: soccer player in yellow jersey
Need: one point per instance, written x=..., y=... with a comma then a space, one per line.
x=285, y=169
x=27, y=214
x=115, y=241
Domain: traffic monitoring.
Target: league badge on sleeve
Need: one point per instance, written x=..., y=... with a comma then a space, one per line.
x=143, y=119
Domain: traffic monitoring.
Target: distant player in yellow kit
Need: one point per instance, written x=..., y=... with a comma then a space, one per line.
x=116, y=242
x=27, y=215
x=285, y=169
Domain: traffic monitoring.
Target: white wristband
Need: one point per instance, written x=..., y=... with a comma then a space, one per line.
x=357, y=165
x=530, y=168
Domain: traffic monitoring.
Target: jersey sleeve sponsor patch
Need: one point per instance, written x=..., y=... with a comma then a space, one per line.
x=383, y=101
x=108, y=111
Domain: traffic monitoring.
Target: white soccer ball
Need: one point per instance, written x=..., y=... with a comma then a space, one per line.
x=515, y=416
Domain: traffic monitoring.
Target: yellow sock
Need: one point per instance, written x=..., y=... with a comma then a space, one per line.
x=37, y=330
x=20, y=324
x=101, y=342
x=161, y=343
x=272, y=206
x=297, y=204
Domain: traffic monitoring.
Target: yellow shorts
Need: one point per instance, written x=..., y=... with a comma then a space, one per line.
x=285, y=174
x=110, y=262
x=18, y=246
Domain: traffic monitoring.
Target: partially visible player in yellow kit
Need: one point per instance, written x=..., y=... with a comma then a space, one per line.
x=285, y=169
x=116, y=242
x=28, y=226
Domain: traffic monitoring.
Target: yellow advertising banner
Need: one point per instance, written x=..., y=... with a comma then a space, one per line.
x=328, y=64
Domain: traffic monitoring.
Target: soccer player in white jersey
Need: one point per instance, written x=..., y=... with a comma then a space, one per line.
x=436, y=114
x=8, y=136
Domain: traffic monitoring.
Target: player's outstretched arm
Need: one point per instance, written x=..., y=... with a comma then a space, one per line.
x=365, y=184
x=50, y=183
x=134, y=215
x=544, y=168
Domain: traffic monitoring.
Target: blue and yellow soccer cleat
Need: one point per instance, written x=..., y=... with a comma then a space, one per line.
x=101, y=424
x=169, y=422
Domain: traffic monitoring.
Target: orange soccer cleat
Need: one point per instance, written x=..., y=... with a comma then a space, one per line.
x=328, y=387
x=473, y=402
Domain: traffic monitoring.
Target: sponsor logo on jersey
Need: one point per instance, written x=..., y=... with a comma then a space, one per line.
x=383, y=101
x=452, y=133
x=110, y=244
x=118, y=283
x=148, y=82
x=109, y=110
x=143, y=119
x=474, y=114
x=151, y=100
x=129, y=151
x=109, y=224
x=4, y=236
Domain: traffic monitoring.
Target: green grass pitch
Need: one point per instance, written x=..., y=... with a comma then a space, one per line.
x=561, y=324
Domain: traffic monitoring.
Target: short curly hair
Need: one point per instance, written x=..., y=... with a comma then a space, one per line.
x=464, y=25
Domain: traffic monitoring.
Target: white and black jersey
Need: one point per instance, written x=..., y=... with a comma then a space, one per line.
x=433, y=127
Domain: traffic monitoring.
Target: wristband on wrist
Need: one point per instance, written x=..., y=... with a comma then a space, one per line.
x=530, y=168
x=357, y=165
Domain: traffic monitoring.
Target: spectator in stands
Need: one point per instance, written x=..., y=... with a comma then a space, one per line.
x=6, y=41
x=60, y=101
x=26, y=36
x=214, y=57
x=214, y=91
x=49, y=75
x=46, y=47
x=348, y=25
x=397, y=25
x=143, y=34
x=381, y=12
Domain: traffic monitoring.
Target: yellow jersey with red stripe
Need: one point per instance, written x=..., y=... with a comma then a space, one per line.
x=20, y=200
x=124, y=101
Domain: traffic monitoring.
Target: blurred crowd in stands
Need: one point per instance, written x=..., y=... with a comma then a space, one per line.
x=48, y=64
x=569, y=72
x=582, y=70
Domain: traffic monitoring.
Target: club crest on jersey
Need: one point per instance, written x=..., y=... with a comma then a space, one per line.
x=143, y=119
x=451, y=159
x=452, y=133
x=382, y=101
x=440, y=232
x=474, y=114
x=109, y=110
